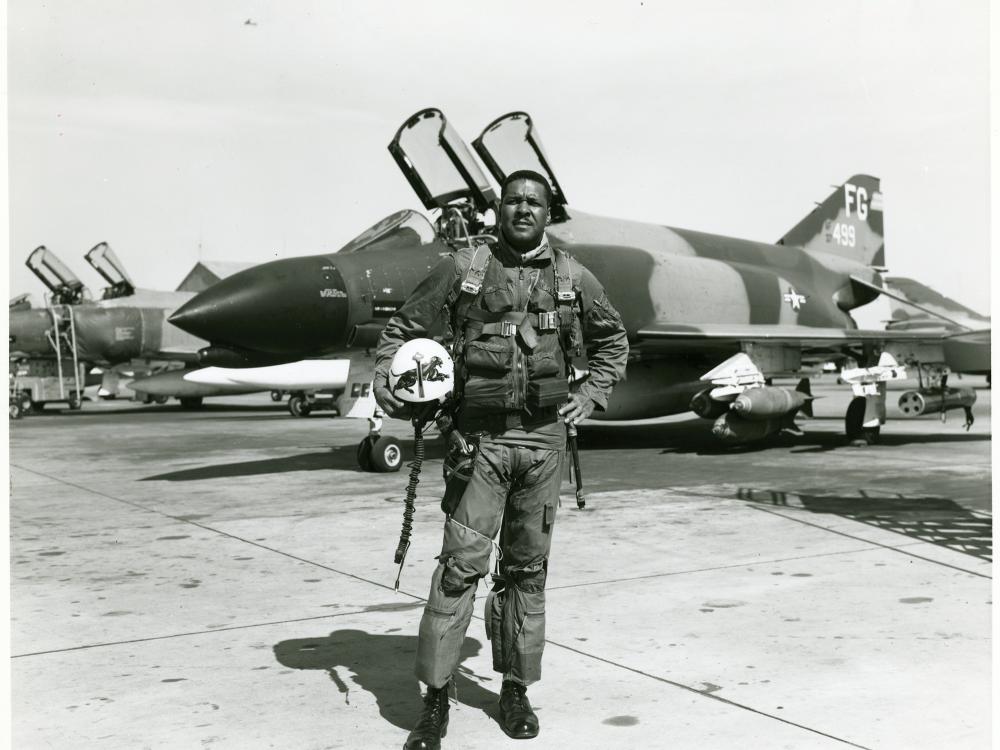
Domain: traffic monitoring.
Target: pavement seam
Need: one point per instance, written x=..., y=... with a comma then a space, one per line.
x=718, y=567
x=193, y=632
x=703, y=694
x=869, y=541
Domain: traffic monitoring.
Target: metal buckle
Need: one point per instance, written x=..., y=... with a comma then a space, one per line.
x=471, y=287
x=507, y=328
x=548, y=321
x=566, y=296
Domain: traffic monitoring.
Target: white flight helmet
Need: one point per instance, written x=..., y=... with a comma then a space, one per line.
x=421, y=371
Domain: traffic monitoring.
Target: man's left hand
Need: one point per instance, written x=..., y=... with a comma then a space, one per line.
x=577, y=409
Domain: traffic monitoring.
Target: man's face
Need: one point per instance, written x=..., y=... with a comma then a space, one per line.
x=523, y=210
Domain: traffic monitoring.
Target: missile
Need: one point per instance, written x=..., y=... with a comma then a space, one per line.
x=916, y=403
x=172, y=383
x=305, y=375
x=768, y=402
x=732, y=428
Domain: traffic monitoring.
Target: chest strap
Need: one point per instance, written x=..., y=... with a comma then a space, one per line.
x=473, y=280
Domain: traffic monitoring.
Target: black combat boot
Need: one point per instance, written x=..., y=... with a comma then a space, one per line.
x=433, y=722
x=517, y=719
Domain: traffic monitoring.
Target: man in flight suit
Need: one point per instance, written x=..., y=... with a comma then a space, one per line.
x=515, y=314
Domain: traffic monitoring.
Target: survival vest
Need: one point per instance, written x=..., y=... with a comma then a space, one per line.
x=510, y=359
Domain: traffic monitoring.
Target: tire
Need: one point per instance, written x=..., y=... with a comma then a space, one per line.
x=387, y=454
x=190, y=402
x=854, y=423
x=298, y=406
x=276, y=396
x=25, y=402
x=160, y=399
x=365, y=454
x=16, y=412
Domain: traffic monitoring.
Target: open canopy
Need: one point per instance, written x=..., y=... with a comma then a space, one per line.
x=510, y=143
x=438, y=164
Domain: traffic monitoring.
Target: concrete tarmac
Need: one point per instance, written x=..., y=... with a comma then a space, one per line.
x=223, y=578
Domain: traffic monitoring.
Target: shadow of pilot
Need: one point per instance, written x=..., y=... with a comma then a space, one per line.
x=382, y=664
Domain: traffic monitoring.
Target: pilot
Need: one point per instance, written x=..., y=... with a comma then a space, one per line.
x=515, y=314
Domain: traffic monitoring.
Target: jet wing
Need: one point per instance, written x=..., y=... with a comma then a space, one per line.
x=778, y=333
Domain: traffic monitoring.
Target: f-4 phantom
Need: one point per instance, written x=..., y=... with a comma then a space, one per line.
x=690, y=300
x=127, y=330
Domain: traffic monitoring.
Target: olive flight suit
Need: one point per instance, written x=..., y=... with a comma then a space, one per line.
x=516, y=320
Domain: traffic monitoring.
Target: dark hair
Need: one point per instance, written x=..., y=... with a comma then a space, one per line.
x=528, y=174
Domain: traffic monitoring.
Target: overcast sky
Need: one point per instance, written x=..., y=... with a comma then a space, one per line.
x=175, y=130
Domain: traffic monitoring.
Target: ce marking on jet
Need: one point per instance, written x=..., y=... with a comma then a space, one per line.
x=794, y=299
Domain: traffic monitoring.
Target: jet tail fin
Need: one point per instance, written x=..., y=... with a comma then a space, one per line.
x=848, y=223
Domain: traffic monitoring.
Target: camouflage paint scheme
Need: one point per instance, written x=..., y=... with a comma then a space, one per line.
x=688, y=299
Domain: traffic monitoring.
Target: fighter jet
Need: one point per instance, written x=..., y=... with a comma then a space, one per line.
x=127, y=324
x=127, y=331
x=690, y=300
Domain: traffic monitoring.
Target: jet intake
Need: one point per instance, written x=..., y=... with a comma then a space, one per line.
x=917, y=403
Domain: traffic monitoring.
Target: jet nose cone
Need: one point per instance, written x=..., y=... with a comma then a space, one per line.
x=289, y=306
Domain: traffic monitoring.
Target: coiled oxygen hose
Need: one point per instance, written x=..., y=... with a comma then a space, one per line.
x=418, y=421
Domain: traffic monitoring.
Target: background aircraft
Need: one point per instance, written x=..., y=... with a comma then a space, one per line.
x=689, y=300
x=126, y=333
x=917, y=307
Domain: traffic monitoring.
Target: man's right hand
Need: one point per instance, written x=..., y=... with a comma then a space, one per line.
x=391, y=405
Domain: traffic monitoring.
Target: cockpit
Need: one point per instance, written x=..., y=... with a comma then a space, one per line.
x=449, y=181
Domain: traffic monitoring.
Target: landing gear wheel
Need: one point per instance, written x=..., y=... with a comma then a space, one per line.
x=160, y=399
x=276, y=396
x=365, y=453
x=16, y=412
x=854, y=422
x=190, y=402
x=25, y=402
x=387, y=454
x=75, y=401
x=298, y=406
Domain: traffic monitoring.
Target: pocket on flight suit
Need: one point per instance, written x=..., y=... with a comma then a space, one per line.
x=458, y=469
x=493, y=615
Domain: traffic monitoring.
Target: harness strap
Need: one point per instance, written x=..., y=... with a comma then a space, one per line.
x=473, y=281
x=566, y=302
